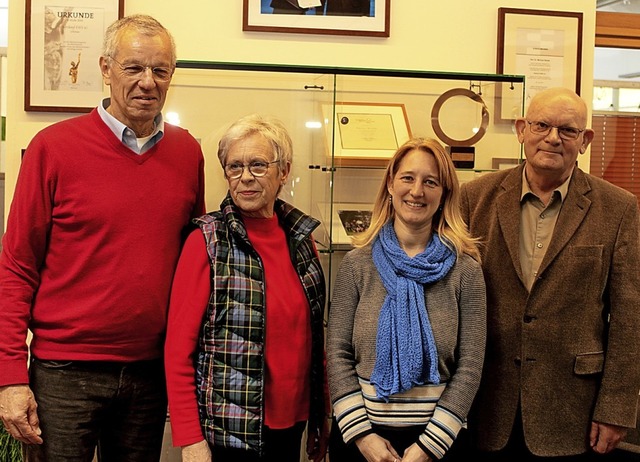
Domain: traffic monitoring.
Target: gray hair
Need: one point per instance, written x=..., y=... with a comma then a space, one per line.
x=272, y=129
x=141, y=23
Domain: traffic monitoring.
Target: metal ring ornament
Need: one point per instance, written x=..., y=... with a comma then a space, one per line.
x=435, y=111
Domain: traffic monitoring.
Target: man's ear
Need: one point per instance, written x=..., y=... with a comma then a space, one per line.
x=105, y=70
x=587, y=137
x=520, y=125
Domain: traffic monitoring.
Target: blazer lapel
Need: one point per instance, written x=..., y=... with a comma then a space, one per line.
x=508, y=211
x=574, y=210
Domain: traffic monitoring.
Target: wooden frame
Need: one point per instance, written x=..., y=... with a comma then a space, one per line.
x=544, y=46
x=502, y=163
x=63, y=43
x=617, y=30
x=364, y=134
x=255, y=19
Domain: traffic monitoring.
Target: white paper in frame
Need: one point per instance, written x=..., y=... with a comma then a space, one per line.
x=364, y=134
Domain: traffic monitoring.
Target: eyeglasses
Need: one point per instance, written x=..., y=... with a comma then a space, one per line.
x=161, y=74
x=566, y=133
x=256, y=168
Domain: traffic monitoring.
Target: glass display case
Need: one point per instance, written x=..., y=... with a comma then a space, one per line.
x=345, y=123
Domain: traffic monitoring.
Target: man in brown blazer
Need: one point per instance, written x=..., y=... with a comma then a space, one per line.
x=562, y=266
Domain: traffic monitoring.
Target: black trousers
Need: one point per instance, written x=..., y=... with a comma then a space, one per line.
x=280, y=445
x=120, y=408
x=516, y=450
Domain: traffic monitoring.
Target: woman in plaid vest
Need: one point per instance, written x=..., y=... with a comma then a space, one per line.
x=244, y=350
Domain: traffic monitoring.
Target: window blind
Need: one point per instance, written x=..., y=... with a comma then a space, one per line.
x=615, y=154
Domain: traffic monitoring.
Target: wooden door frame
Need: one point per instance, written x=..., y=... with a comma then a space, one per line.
x=617, y=30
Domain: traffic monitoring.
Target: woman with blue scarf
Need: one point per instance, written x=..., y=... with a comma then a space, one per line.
x=406, y=335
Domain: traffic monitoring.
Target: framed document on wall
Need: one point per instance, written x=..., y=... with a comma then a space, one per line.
x=365, y=134
x=63, y=45
x=544, y=46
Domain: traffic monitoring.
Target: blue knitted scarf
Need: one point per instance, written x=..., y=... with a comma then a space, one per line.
x=406, y=353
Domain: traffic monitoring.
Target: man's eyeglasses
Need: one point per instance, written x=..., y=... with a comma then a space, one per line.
x=161, y=74
x=256, y=168
x=566, y=133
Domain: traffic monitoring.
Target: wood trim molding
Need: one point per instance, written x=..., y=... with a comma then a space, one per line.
x=617, y=30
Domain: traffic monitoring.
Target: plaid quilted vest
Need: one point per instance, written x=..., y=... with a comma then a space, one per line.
x=230, y=360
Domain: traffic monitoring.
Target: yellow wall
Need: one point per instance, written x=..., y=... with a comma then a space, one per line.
x=458, y=35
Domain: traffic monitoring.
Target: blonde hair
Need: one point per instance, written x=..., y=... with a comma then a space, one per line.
x=447, y=222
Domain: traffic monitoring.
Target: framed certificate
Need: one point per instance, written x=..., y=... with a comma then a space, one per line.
x=63, y=47
x=365, y=134
x=544, y=46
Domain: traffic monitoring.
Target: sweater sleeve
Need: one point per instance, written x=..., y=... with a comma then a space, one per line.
x=346, y=394
x=23, y=253
x=189, y=297
x=200, y=207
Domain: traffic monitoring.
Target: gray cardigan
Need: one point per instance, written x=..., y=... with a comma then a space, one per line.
x=457, y=311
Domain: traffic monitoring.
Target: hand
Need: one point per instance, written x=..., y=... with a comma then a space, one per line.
x=317, y=444
x=414, y=453
x=18, y=412
x=605, y=438
x=374, y=448
x=197, y=452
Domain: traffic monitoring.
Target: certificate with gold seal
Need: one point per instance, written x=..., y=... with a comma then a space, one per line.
x=365, y=134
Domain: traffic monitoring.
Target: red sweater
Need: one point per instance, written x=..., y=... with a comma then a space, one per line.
x=287, y=338
x=93, y=237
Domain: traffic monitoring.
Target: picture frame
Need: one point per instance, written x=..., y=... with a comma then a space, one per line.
x=335, y=219
x=63, y=45
x=544, y=46
x=364, y=134
x=503, y=163
x=258, y=18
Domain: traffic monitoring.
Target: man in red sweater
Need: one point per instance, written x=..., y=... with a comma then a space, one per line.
x=92, y=241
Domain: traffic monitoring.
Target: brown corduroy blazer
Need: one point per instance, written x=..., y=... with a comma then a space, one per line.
x=570, y=349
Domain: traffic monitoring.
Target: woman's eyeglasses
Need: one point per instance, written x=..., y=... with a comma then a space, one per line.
x=256, y=168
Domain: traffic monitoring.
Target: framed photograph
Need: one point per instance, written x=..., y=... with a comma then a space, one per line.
x=63, y=45
x=354, y=221
x=365, y=134
x=327, y=17
x=343, y=220
x=544, y=46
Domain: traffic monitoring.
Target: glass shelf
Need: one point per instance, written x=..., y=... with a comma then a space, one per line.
x=345, y=123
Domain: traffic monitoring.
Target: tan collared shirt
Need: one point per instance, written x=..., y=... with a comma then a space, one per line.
x=537, y=223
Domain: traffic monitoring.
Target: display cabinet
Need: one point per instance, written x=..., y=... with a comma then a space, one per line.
x=345, y=123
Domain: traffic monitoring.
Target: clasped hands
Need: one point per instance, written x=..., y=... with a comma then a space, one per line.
x=375, y=448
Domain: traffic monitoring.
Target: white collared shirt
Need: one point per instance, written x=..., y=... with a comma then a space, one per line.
x=128, y=136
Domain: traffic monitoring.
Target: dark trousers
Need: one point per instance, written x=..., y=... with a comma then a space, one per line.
x=400, y=439
x=279, y=445
x=517, y=450
x=118, y=408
